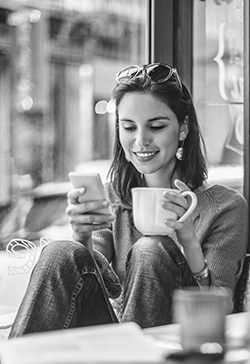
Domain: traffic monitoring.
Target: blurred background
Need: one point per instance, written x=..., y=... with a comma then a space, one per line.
x=58, y=60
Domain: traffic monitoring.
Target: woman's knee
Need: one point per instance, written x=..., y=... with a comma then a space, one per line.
x=62, y=252
x=155, y=250
x=151, y=245
x=144, y=251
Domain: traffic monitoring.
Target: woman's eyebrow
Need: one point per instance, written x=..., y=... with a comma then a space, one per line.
x=125, y=119
x=156, y=118
x=159, y=118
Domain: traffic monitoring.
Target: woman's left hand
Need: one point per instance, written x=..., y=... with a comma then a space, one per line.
x=179, y=204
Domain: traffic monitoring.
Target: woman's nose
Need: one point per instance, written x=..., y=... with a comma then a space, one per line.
x=143, y=139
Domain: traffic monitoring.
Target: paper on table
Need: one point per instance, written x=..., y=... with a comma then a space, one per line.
x=166, y=336
x=113, y=343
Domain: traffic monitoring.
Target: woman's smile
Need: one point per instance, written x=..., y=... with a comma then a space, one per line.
x=145, y=156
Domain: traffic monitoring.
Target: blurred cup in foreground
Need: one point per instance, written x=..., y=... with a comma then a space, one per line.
x=201, y=314
x=149, y=215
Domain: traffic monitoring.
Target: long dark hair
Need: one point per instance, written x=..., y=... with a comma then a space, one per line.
x=192, y=169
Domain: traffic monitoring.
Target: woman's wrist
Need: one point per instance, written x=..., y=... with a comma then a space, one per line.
x=198, y=265
x=195, y=257
x=202, y=274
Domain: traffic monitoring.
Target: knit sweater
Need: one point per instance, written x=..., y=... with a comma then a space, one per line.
x=221, y=224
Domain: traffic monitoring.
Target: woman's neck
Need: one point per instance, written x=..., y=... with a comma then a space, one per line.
x=154, y=180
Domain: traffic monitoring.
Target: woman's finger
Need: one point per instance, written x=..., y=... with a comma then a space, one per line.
x=86, y=208
x=174, y=198
x=73, y=195
x=85, y=219
x=181, y=185
x=85, y=228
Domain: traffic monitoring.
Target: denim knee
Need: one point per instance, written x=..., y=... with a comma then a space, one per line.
x=64, y=291
x=153, y=248
x=160, y=253
x=65, y=254
x=152, y=275
x=146, y=243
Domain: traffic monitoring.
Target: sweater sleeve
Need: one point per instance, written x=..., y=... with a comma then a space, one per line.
x=225, y=244
x=103, y=240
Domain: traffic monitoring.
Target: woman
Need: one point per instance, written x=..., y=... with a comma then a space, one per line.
x=158, y=141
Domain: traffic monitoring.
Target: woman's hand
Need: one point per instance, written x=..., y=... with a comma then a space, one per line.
x=179, y=204
x=185, y=231
x=83, y=215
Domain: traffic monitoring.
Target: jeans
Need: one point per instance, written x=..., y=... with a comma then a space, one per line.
x=66, y=290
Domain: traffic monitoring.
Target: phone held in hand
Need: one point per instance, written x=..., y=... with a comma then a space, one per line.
x=94, y=188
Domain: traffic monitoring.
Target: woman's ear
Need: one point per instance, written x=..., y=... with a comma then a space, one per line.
x=184, y=129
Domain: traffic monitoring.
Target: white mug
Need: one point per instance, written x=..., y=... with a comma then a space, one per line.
x=149, y=215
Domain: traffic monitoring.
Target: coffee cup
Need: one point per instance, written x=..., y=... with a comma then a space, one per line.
x=149, y=214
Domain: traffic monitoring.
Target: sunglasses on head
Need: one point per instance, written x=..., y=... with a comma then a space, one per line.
x=157, y=72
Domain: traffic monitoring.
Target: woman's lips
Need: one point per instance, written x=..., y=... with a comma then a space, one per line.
x=145, y=156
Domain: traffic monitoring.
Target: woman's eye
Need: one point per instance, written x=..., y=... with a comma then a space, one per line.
x=129, y=127
x=157, y=127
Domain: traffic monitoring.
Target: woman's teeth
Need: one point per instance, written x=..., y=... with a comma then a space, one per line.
x=145, y=155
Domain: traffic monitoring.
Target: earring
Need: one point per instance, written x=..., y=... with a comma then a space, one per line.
x=179, y=152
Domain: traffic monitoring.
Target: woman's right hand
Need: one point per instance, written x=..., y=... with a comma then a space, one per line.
x=83, y=215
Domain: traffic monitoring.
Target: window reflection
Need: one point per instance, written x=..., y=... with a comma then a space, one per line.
x=218, y=85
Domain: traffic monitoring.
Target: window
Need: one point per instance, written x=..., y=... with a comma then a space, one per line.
x=58, y=60
x=218, y=85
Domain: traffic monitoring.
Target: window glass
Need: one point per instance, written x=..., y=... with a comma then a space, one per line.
x=218, y=85
x=58, y=60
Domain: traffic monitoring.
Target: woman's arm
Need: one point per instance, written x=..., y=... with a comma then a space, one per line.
x=220, y=237
x=186, y=234
x=226, y=242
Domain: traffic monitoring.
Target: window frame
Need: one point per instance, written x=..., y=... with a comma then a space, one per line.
x=174, y=19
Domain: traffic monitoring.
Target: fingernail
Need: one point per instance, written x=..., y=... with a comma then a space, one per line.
x=105, y=203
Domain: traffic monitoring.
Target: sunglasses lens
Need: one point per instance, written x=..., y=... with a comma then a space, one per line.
x=159, y=72
x=127, y=72
x=156, y=71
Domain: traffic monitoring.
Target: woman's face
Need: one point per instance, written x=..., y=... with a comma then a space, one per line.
x=149, y=133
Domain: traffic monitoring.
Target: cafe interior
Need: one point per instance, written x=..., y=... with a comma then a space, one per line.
x=58, y=61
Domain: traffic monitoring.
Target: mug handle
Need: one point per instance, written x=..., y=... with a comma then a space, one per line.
x=191, y=207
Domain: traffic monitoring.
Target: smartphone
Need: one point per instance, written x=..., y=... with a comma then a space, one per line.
x=94, y=188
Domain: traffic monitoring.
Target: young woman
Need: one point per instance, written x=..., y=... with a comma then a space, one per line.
x=157, y=142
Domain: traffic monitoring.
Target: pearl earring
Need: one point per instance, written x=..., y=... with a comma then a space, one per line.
x=179, y=152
